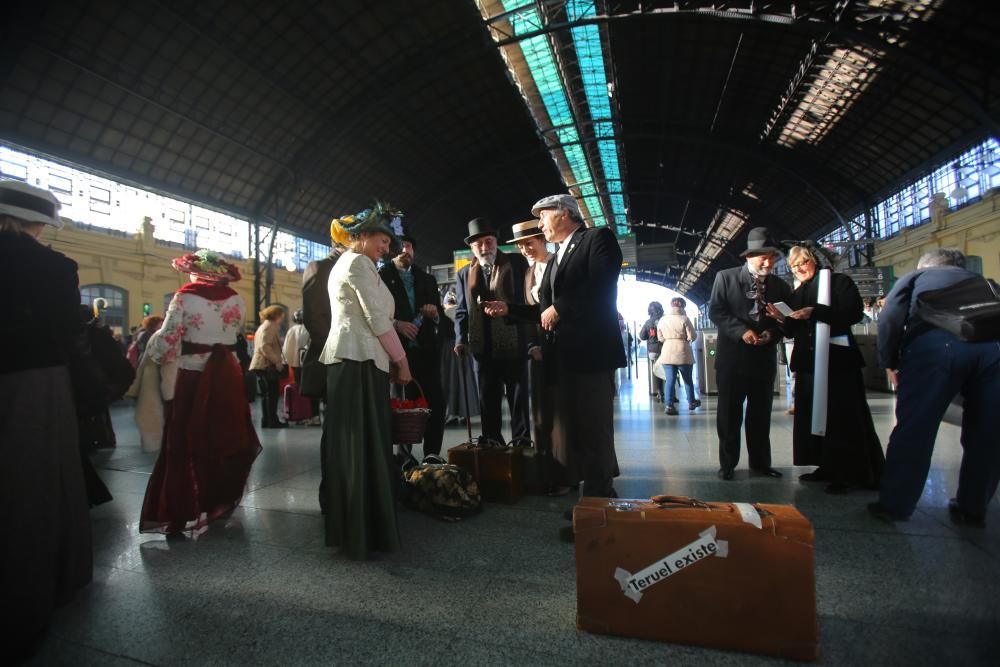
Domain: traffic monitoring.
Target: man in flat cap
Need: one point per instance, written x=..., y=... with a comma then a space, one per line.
x=498, y=347
x=746, y=360
x=578, y=311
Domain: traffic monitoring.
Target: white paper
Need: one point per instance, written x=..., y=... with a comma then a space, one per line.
x=821, y=367
x=749, y=514
x=783, y=308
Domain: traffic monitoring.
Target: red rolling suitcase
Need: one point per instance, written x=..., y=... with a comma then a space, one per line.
x=297, y=407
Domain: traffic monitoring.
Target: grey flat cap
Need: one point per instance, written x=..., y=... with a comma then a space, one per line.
x=557, y=201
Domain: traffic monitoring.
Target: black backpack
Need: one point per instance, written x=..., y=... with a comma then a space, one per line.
x=969, y=309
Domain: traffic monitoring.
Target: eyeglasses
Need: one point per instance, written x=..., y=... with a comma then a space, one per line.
x=805, y=262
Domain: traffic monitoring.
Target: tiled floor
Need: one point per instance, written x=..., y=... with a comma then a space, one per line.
x=499, y=588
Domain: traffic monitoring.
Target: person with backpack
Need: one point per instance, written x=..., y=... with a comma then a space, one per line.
x=929, y=366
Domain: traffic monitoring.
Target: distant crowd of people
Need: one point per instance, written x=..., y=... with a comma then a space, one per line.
x=538, y=329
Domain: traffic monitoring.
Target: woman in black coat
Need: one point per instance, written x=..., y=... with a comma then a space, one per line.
x=850, y=454
x=45, y=553
x=653, y=346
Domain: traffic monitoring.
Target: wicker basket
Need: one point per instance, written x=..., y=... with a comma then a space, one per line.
x=409, y=424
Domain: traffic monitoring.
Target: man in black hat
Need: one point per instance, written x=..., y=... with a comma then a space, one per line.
x=417, y=315
x=746, y=361
x=498, y=346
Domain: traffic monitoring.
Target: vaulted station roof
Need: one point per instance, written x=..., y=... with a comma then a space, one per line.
x=680, y=122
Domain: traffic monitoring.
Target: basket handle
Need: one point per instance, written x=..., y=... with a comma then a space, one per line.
x=402, y=389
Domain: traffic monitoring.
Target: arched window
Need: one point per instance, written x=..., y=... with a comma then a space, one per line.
x=116, y=314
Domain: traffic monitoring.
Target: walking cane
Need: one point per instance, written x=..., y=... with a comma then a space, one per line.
x=465, y=394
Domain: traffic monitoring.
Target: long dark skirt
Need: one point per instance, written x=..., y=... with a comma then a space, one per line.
x=360, y=481
x=209, y=446
x=850, y=451
x=46, y=552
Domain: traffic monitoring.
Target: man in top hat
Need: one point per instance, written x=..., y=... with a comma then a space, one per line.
x=499, y=347
x=417, y=315
x=746, y=359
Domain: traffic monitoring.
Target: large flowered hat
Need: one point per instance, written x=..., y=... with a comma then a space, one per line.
x=381, y=217
x=208, y=265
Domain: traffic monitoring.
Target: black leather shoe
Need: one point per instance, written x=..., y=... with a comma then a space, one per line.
x=566, y=534
x=958, y=515
x=817, y=475
x=726, y=474
x=766, y=472
x=878, y=511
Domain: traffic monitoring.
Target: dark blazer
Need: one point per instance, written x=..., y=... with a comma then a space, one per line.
x=43, y=305
x=730, y=308
x=425, y=291
x=846, y=309
x=465, y=301
x=584, y=291
x=316, y=303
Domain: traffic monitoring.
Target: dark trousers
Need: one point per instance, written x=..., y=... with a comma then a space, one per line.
x=427, y=372
x=497, y=378
x=934, y=368
x=755, y=385
x=584, y=406
x=267, y=381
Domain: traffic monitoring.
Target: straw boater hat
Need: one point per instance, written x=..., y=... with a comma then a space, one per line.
x=381, y=217
x=26, y=202
x=207, y=265
x=525, y=230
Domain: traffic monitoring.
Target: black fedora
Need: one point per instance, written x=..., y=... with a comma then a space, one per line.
x=480, y=227
x=759, y=242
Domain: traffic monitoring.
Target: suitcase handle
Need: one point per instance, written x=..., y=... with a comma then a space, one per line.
x=681, y=500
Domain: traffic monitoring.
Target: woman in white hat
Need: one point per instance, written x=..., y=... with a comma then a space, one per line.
x=47, y=553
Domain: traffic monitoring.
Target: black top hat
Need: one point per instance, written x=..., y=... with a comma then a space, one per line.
x=480, y=227
x=759, y=241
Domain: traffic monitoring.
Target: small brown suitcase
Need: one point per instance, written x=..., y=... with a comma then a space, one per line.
x=726, y=575
x=496, y=468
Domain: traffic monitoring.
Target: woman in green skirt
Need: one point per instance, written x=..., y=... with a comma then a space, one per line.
x=362, y=353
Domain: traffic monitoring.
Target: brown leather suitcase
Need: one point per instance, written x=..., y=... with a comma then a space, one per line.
x=497, y=469
x=726, y=575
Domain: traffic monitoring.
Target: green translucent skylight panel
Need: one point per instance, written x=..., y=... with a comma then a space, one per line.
x=542, y=65
x=590, y=56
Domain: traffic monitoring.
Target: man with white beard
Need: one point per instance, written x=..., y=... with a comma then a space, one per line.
x=746, y=362
x=498, y=346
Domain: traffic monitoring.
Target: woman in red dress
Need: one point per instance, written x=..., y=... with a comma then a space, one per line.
x=209, y=443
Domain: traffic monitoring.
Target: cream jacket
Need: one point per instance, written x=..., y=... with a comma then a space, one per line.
x=266, y=347
x=676, y=333
x=361, y=309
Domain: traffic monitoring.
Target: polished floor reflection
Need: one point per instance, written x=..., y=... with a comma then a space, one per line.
x=500, y=588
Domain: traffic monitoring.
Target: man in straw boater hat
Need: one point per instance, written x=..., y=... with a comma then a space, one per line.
x=746, y=360
x=560, y=471
x=498, y=347
x=46, y=553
